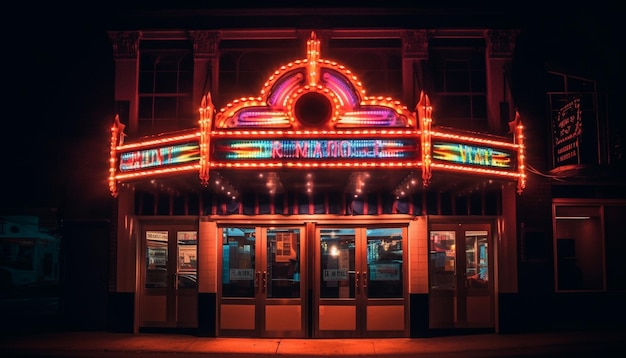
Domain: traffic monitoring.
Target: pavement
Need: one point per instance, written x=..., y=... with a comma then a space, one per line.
x=609, y=343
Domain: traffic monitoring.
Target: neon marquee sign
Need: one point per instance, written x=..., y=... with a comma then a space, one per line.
x=314, y=149
x=472, y=155
x=162, y=156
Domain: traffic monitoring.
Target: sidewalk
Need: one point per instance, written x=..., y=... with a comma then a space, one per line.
x=82, y=344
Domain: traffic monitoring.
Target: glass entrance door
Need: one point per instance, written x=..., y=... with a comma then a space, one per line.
x=461, y=276
x=359, y=280
x=261, y=283
x=168, y=297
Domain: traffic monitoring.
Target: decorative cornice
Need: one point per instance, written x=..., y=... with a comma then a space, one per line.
x=125, y=44
x=415, y=44
x=501, y=43
x=205, y=43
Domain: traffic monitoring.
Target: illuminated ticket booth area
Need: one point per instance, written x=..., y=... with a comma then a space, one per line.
x=316, y=211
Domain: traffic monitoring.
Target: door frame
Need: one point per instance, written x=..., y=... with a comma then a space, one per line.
x=361, y=302
x=255, y=309
x=309, y=244
x=175, y=298
x=463, y=293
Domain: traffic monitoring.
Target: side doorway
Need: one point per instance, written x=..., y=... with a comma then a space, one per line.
x=461, y=276
x=262, y=291
x=169, y=293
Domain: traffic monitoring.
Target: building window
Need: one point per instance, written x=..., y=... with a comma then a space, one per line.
x=245, y=65
x=459, y=83
x=589, y=245
x=376, y=63
x=578, y=248
x=165, y=90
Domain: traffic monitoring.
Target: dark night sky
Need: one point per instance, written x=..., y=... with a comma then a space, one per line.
x=60, y=85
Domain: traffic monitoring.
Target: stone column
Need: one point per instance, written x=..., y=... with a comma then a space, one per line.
x=126, y=57
x=500, y=106
x=205, y=64
x=414, y=54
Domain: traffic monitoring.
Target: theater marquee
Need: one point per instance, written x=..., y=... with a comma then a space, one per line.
x=314, y=149
x=472, y=155
x=161, y=156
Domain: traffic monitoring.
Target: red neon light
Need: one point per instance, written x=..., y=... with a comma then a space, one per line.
x=317, y=133
x=424, y=110
x=157, y=172
x=206, y=114
x=190, y=136
x=321, y=165
x=117, y=138
x=353, y=115
x=519, y=134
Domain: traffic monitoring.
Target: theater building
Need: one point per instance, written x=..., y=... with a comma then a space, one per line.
x=310, y=207
x=322, y=182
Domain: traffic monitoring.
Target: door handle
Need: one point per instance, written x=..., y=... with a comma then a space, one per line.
x=356, y=281
x=256, y=279
x=264, y=287
x=365, y=280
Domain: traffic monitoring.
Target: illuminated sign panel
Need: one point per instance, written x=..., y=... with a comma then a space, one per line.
x=170, y=155
x=314, y=149
x=568, y=131
x=465, y=154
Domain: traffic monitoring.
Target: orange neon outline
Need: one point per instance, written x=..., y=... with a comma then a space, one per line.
x=307, y=164
x=424, y=111
x=157, y=172
x=212, y=124
x=207, y=111
x=521, y=162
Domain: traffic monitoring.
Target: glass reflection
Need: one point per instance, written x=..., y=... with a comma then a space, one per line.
x=384, y=263
x=476, y=259
x=283, y=263
x=443, y=260
x=337, y=263
x=156, y=259
x=238, y=261
x=187, y=259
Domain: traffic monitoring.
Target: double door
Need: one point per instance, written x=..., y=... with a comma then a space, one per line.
x=262, y=294
x=168, y=296
x=461, y=276
x=312, y=281
x=359, y=282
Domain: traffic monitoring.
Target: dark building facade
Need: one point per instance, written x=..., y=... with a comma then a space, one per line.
x=354, y=173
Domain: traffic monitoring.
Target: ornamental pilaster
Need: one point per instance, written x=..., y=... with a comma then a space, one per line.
x=125, y=44
x=501, y=43
x=414, y=54
x=415, y=44
x=205, y=43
